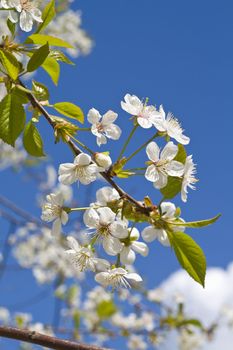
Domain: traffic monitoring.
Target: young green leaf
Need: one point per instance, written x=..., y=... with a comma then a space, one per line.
x=197, y=224
x=51, y=66
x=181, y=154
x=47, y=16
x=32, y=141
x=41, y=39
x=12, y=118
x=38, y=58
x=40, y=91
x=172, y=188
x=11, y=26
x=70, y=110
x=106, y=309
x=10, y=64
x=189, y=255
x=60, y=56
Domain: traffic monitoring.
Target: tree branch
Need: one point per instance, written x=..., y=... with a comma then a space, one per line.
x=43, y=340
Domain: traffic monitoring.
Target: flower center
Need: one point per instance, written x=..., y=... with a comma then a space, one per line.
x=26, y=5
x=103, y=230
x=100, y=128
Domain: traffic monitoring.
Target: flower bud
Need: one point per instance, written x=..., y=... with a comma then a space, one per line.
x=103, y=160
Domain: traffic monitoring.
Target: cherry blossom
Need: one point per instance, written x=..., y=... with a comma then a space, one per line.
x=106, y=228
x=189, y=178
x=118, y=277
x=163, y=164
x=53, y=210
x=147, y=116
x=83, y=257
x=27, y=13
x=81, y=170
x=150, y=233
x=103, y=127
x=171, y=126
x=131, y=245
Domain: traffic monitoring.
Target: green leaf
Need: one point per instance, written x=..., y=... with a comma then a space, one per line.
x=41, y=39
x=106, y=309
x=32, y=141
x=76, y=319
x=51, y=66
x=189, y=255
x=193, y=322
x=47, y=16
x=197, y=224
x=70, y=110
x=11, y=26
x=38, y=58
x=40, y=91
x=12, y=118
x=181, y=154
x=10, y=64
x=172, y=188
x=60, y=56
x=124, y=174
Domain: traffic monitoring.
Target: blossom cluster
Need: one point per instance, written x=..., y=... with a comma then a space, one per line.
x=105, y=221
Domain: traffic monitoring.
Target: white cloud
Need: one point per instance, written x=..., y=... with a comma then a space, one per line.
x=205, y=304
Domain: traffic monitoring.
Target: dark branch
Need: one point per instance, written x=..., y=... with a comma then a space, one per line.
x=43, y=340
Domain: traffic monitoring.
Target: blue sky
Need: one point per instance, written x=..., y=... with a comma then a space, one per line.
x=178, y=53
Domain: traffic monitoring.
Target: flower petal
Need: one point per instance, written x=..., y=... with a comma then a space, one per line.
x=93, y=116
x=127, y=256
x=152, y=151
x=113, y=131
x=149, y=234
x=169, y=152
x=25, y=21
x=82, y=159
x=175, y=168
x=112, y=245
x=109, y=118
x=151, y=173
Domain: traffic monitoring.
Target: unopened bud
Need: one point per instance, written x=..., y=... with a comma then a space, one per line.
x=103, y=160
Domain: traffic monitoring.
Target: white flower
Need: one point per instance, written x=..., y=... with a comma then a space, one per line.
x=103, y=127
x=163, y=164
x=171, y=126
x=118, y=277
x=147, y=116
x=136, y=342
x=28, y=13
x=106, y=195
x=81, y=170
x=84, y=258
x=151, y=233
x=188, y=178
x=103, y=160
x=107, y=229
x=127, y=255
x=53, y=210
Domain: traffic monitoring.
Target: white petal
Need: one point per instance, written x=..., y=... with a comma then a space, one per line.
x=112, y=245
x=134, y=279
x=134, y=233
x=106, y=215
x=127, y=256
x=67, y=174
x=112, y=131
x=144, y=123
x=141, y=248
x=169, y=152
x=109, y=118
x=82, y=159
x=149, y=234
x=106, y=194
x=56, y=228
x=101, y=140
x=151, y=173
x=73, y=243
x=25, y=21
x=163, y=238
x=184, y=140
x=175, y=168
x=152, y=151
x=102, y=278
x=93, y=116
x=119, y=229
x=91, y=218
x=132, y=105
x=36, y=14
x=64, y=217
x=168, y=210
x=13, y=16
x=161, y=182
